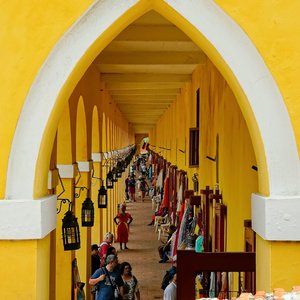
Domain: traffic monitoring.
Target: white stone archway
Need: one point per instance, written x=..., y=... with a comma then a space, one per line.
x=248, y=68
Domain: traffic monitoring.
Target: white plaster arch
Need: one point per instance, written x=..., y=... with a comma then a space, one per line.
x=225, y=36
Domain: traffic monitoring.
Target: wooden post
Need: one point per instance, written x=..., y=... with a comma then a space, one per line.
x=215, y=198
x=206, y=216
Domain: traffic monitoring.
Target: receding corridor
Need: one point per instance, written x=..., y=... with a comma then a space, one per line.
x=142, y=253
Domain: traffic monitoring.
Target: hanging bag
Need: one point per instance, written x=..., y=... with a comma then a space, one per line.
x=114, y=287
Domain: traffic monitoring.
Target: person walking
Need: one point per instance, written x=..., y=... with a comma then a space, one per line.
x=131, y=188
x=107, y=241
x=109, y=280
x=95, y=264
x=131, y=287
x=126, y=187
x=143, y=187
x=122, y=220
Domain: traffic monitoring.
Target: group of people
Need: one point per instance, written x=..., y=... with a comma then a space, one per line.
x=111, y=279
x=131, y=184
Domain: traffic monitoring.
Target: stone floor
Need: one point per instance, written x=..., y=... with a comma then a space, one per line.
x=142, y=254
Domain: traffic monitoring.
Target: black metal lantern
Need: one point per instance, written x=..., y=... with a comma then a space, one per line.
x=119, y=169
x=87, y=213
x=123, y=166
x=114, y=173
x=102, y=197
x=109, y=180
x=70, y=232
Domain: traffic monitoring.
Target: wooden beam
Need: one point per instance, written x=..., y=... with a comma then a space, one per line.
x=143, y=85
x=152, y=33
x=144, y=92
x=148, y=68
x=142, y=107
x=167, y=46
x=156, y=58
x=146, y=77
x=143, y=98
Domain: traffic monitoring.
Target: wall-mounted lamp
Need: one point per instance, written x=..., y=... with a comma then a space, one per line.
x=70, y=227
x=102, y=197
x=114, y=173
x=109, y=180
x=119, y=169
x=87, y=213
x=102, y=193
x=70, y=232
x=87, y=209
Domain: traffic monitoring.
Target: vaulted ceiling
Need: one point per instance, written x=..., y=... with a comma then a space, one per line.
x=145, y=66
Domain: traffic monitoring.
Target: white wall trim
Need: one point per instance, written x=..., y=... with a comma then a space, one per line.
x=84, y=166
x=222, y=32
x=96, y=156
x=276, y=219
x=257, y=83
x=27, y=219
x=67, y=170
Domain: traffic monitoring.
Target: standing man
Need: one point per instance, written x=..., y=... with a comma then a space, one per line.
x=170, y=291
x=108, y=280
x=107, y=241
x=131, y=188
x=126, y=187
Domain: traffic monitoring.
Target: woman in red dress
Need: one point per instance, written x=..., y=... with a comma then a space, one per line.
x=122, y=220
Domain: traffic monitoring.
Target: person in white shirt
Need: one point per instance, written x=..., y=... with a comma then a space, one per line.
x=170, y=291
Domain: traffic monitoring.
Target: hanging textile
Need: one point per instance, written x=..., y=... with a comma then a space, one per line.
x=159, y=180
x=179, y=199
x=166, y=201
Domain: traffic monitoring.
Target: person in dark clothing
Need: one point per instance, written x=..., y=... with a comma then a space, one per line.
x=108, y=280
x=170, y=273
x=126, y=187
x=95, y=263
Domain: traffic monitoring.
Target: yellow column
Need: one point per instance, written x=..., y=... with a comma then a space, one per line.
x=97, y=233
x=83, y=254
x=32, y=264
x=63, y=268
x=277, y=264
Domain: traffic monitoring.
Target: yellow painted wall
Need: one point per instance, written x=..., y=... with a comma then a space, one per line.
x=219, y=114
x=274, y=29
x=25, y=25
x=28, y=260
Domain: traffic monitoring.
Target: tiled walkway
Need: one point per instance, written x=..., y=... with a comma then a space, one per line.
x=142, y=254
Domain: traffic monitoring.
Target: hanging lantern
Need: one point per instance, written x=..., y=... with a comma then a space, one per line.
x=119, y=169
x=123, y=166
x=102, y=197
x=109, y=180
x=114, y=173
x=87, y=213
x=70, y=232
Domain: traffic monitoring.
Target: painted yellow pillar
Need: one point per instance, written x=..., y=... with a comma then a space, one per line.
x=63, y=270
x=83, y=254
x=29, y=259
x=95, y=186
